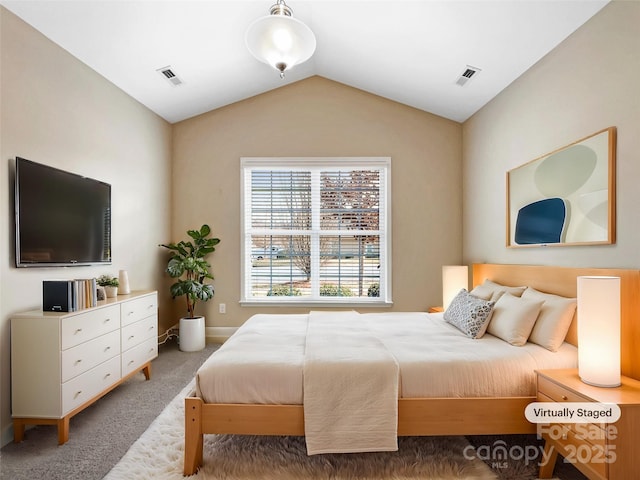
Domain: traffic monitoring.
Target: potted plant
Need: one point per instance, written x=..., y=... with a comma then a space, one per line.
x=110, y=285
x=189, y=265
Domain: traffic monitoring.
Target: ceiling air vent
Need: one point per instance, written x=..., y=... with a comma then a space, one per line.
x=468, y=73
x=171, y=77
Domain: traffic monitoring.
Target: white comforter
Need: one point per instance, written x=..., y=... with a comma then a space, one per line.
x=263, y=361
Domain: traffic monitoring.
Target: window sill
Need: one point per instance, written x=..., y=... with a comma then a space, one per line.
x=316, y=304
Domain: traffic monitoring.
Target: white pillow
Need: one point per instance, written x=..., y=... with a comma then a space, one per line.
x=513, y=318
x=554, y=319
x=469, y=314
x=489, y=290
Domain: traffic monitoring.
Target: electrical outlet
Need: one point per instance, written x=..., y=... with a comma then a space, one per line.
x=222, y=308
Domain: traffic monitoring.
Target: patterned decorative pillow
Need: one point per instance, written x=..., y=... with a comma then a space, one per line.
x=469, y=314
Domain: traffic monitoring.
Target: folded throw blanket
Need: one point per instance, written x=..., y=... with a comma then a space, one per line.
x=350, y=387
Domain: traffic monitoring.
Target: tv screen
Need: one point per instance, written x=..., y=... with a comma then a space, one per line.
x=62, y=219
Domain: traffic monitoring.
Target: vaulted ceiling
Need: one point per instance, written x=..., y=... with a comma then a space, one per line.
x=409, y=51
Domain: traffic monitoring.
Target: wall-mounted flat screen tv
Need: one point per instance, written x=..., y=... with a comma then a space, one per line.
x=61, y=219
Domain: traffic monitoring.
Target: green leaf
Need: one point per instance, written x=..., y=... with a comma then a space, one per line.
x=171, y=246
x=205, y=230
x=177, y=290
x=175, y=267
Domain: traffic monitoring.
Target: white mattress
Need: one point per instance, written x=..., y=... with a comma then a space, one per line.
x=263, y=361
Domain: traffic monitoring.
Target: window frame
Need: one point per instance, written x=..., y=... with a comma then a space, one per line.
x=307, y=164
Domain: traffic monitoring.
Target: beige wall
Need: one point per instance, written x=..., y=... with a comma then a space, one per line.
x=589, y=82
x=56, y=110
x=318, y=117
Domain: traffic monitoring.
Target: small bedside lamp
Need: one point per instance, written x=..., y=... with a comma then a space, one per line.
x=454, y=278
x=599, y=330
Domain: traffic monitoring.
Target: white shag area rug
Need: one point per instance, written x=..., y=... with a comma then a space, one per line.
x=158, y=455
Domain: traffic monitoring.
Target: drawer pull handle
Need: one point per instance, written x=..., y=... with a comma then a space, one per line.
x=107, y=375
x=78, y=330
x=78, y=393
x=130, y=362
x=151, y=327
x=130, y=313
x=151, y=350
x=107, y=320
x=132, y=336
x=150, y=306
x=565, y=398
x=107, y=349
x=78, y=361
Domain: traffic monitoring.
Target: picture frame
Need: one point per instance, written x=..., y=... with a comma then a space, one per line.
x=566, y=197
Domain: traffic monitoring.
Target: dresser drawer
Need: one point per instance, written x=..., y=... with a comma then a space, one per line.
x=139, y=331
x=79, y=328
x=83, y=357
x=139, y=308
x=139, y=355
x=83, y=388
x=549, y=391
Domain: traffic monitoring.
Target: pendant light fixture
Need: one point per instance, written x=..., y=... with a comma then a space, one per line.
x=280, y=40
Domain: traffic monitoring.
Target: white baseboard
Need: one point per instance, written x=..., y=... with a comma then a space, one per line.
x=219, y=334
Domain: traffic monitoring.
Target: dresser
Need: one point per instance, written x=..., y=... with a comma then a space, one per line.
x=62, y=362
x=600, y=450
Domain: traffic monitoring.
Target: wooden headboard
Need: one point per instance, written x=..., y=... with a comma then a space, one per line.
x=563, y=281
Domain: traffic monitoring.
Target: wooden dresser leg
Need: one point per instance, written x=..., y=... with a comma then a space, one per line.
x=147, y=371
x=193, y=436
x=18, y=430
x=550, y=456
x=63, y=430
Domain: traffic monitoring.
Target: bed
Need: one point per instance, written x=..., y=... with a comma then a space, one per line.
x=419, y=412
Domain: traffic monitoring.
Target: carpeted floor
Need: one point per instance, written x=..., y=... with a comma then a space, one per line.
x=158, y=455
x=102, y=434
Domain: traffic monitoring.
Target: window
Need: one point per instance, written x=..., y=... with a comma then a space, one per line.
x=316, y=230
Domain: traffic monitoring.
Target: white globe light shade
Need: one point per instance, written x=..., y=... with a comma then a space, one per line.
x=280, y=41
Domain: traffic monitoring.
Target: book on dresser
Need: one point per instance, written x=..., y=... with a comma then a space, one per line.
x=69, y=295
x=62, y=362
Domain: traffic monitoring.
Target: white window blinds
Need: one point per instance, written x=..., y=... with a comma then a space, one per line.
x=316, y=230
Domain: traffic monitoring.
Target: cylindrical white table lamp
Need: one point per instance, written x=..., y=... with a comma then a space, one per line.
x=454, y=278
x=599, y=330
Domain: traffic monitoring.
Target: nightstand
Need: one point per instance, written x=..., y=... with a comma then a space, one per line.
x=601, y=451
x=435, y=310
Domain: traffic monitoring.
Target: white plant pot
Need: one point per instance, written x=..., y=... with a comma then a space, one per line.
x=192, y=338
x=111, y=292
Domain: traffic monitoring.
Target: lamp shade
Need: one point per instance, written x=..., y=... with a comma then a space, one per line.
x=280, y=41
x=454, y=278
x=599, y=330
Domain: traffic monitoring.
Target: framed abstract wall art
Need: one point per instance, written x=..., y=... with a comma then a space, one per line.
x=566, y=197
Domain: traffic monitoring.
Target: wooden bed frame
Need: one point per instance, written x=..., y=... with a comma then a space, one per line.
x=429, y=416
